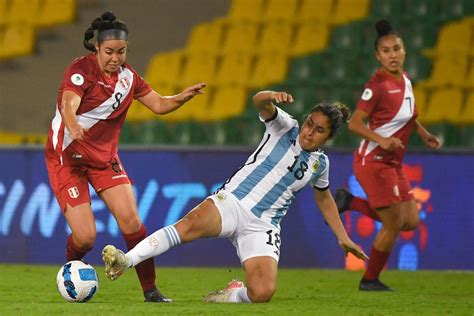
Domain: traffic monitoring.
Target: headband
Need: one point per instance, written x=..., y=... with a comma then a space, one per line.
x=112, y=34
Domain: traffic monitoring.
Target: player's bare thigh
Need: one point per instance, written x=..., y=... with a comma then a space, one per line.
x=261, y=277
x=120, y=199
x=202, y=221
x=81, y=221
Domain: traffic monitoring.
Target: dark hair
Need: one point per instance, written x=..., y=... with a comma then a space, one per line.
x=107, y=21
x=337, y=112
x=384, y=28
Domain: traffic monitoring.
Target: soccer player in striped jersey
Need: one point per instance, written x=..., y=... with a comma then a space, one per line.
x=250, y=205
x=388, y=105
x=93, y=100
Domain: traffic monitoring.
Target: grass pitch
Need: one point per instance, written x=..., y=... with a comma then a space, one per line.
x=31, y=289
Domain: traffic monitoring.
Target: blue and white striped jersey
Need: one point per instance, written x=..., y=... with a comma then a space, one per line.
x=277, y=170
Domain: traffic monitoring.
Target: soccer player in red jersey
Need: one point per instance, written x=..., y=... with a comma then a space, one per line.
x=385, y=117
x=95, y=94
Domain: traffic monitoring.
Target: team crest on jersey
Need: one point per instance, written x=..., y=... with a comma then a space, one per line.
x=315, y=165
x=221, y=196
x=77, y=79
x=367, y=94
x=124, y=83
x=73, y=192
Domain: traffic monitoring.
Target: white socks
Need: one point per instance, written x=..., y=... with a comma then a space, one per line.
x=155, y=244
x=239, y=296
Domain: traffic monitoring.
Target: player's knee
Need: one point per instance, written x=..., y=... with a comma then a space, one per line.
x=130, y=223
x=85, y=241
x=261, y=293
x=411, y=224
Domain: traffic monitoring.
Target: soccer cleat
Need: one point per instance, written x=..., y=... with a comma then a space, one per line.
x=343, y=199
x=373, y=285
x=155, y=296
x=115, y=262
x=222, y=296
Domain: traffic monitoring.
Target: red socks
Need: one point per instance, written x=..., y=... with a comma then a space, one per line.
x=73, y=251
x=377, y=261
x=362, y=206
x=146, y=269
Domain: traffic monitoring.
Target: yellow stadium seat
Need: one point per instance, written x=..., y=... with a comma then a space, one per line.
x=448, y=69
x=454, y=37
x=269, y=69
x=234, y=69
x=17, y=40
x=444, y=105
x=52, y=12
x=246, y=10
x=319, y=10
x=280, y=10
x=350, y=10
x=227, y=102
x=469, y=81
x=205, y=37
x=165, y=68
x=199, y=67
x=311, y=36
x=467, y=113
x=276, y=37
x=420, y=101
x=3, y=12
x=240, y=37
x=22, y=11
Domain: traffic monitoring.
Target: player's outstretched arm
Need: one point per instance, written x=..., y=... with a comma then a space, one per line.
x=265, y=102
x=165, y=104
x=328, y=208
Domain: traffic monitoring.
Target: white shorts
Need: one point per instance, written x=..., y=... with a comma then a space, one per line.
x=251, y=236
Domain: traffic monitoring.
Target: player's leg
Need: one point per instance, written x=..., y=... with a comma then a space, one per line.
x=261, y=277
x=408, y=207
x=380, y=183
x=71, y=189
x=203, y=221
x=83, y=232
x=392, y=223
x=120, y=199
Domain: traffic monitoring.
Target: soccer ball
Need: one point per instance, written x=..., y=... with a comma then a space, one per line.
x=77, y=281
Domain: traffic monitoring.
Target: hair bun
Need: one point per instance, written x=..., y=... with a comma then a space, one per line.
x=108, y=16
x=383, y=27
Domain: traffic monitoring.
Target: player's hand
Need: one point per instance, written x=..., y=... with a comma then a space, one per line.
x=77, y=131
x=391, y=143
x=190, y=92
x=281, y=97
x=349, y=246
x=431, y=141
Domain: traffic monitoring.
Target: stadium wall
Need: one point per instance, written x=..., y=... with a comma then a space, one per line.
x=170, y=182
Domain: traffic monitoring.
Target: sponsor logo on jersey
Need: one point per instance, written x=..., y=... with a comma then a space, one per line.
x=73, y=192
x=367, y=94
x=124, y=83
x=396, y=191
x=394, y=91
x=77, y=79
x=104, y=85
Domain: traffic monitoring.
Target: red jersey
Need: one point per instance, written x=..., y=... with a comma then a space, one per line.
x=104, y=105
x=390, y=104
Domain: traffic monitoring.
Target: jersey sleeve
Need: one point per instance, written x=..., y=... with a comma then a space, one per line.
x=370, y=97
x=321, y=179
x=75, y=79
x=280, y=123
x=142, y=88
